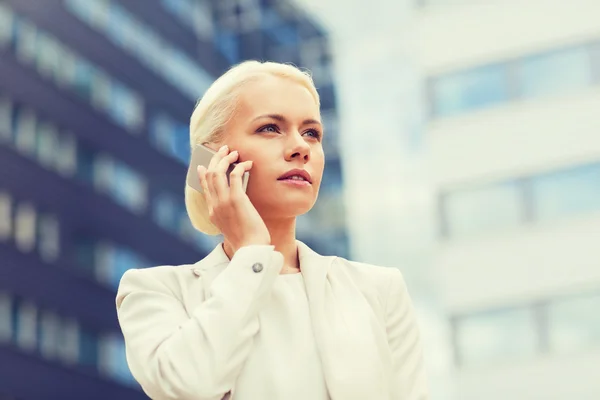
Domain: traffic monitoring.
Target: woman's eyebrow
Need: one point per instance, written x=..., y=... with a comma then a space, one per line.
x=282, y=119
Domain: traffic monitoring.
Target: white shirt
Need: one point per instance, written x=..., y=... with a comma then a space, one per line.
x=291, y=369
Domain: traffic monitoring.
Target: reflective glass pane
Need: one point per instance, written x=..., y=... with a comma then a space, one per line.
x=470, y=90
x=129, y=188
x=566, y=192
x=46, y=146
x=501, y=336
x=49, y=335
x=574, y=323
x=472, y=211
x=123, y=260
x=48, y=56
x=88, y=348
x=68, y=341
x=49, y=238
x=26, y=327
x=6, y=116
x=164, y=211
x=85, y=164
x=6, y=24
x=332, y=175
x=65, y=160
x=26, y=41
x=5, y=216
x=25, y=227
x=6, y=317
x=554, y=72
x=84, y=76
x=113, y=362
x=25, y=132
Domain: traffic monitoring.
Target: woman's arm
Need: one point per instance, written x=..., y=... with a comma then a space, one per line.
x=408, y=370
x=175, y=356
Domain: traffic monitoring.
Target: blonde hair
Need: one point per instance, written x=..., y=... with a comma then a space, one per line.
x=217, y=107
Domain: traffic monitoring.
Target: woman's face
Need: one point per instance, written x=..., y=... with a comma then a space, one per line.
x=277, y=126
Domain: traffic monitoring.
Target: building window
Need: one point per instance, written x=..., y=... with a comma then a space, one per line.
x=25, y=131
x=170, y=137
x=124, y=185
x=567, y=192
x=25, y=227
x=113, y=361
x=197, y=15
x=54, y=61
x=6, y=317
x=26, y=327
x=574, y=323
x=496, y=337
x=49, y=237
x=332, y=176
x=6, y=24
x=66, y=155
x=470, y=90
x=529, y=77
x=112, y=261
x=469, y=212
x=144, y=43
x=227, y=42
x=330, y=123
x=49, y=335
x=538, y=75
x=5, y=216
x=6, y=118
x=46, y=144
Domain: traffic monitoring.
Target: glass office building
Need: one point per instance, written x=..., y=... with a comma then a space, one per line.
x=95, y=96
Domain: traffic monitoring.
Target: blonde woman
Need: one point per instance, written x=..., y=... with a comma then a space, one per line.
x=263, y=317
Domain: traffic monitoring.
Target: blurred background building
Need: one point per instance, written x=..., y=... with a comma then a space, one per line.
x=471, y=139
x=512, y=139
x=95, y=98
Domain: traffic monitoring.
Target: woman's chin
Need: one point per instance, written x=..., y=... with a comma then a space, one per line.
x=284, y=208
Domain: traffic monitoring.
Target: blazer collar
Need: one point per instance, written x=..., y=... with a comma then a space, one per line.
x=355, y=362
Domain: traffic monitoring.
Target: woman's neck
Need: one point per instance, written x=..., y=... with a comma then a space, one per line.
x=283, y=237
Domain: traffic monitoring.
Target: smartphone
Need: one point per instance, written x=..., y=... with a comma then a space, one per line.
x=201, y=155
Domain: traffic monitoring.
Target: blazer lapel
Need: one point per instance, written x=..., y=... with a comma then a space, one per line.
x=354, y=354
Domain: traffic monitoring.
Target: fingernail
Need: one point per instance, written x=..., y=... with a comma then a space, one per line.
x=223, y=147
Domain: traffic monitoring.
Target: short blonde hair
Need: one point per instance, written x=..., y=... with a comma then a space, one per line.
x=217, y=107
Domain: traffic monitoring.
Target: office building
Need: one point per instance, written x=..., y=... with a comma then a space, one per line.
x=95, y=98
x=513, y=94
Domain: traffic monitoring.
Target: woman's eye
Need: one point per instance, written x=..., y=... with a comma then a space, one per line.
x=269, y=128
x=315, y=133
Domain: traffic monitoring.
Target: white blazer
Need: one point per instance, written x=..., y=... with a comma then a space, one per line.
x=188, y=329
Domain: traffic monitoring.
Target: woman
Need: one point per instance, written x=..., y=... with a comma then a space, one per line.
x=263, y=316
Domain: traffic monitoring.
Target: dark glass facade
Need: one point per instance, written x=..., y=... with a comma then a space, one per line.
x=95, y=96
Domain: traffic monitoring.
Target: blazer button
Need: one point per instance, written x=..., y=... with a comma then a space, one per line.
x=257, y=267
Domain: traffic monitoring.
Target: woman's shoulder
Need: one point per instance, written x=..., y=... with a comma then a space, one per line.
x=166, y=278
x=380, y=277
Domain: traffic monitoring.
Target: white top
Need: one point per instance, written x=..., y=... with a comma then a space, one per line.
x=291, y=369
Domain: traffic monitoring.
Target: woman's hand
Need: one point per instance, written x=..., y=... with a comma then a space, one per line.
x=229, y=207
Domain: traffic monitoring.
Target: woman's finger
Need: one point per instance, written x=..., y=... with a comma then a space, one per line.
x=236, y=178
x=204, y=184
x=220, y=180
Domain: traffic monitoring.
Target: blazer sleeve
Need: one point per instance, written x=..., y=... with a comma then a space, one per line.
x=408, y=370
x=175, y=356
